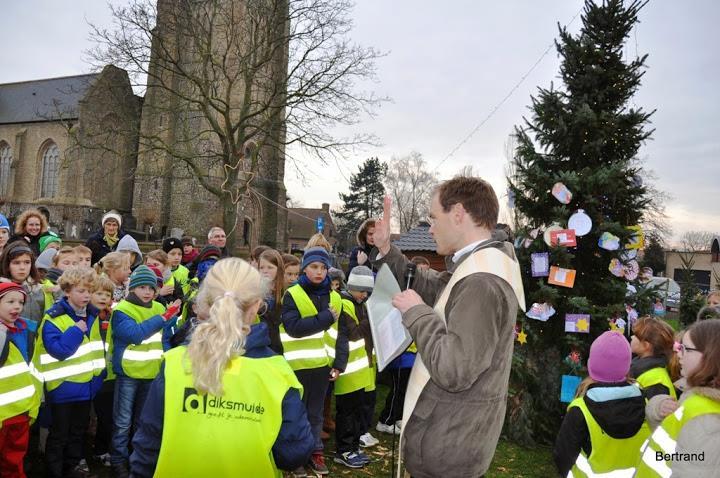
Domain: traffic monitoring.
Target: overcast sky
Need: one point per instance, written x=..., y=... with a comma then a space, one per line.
x=449, y=64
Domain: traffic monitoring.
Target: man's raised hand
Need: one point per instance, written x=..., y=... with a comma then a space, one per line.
x=382, y=228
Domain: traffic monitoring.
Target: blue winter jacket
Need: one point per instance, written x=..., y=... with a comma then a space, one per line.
x=294, y=442
x=126, y=331
x=62, y=345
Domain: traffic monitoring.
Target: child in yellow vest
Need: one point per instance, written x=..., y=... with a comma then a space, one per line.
x=309, y=311
x=355, y=388
x=103, y=402
x=70, y=355
x=652, y=344
x=19, y=385
x=686, y=442
x=605, y=424
x=138, y=323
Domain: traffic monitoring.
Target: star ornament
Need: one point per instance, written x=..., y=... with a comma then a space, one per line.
x=522, y=337
x=582, y=325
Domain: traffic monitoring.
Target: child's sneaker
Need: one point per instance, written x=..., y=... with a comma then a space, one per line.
x=349, y=459
x=317, y=464
x=363, y=457
x=367, y=440
x=299, y=472
x=104, y=459
x=381, y=427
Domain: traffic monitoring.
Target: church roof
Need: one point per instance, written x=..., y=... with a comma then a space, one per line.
x=417, y=239
x=43, y=100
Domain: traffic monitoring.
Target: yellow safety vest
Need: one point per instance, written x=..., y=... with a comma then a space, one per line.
x=20, y=386
x=233, y=435
x=142, y=361
x=610, y=457
x=181, y=274
x=664, y=438
x=87, y=362
x=49, y=298
x=657, y=376
x=316, y=350
x=358, y=374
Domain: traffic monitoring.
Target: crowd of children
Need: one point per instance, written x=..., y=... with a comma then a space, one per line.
x=81, y=344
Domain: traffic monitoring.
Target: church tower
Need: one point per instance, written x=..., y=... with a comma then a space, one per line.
x=213, y=117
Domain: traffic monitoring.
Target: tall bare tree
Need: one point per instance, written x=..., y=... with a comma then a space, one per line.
x=236, y=82
x=410, y=185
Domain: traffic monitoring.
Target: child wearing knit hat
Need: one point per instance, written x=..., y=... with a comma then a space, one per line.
x=141, y=328
x=16, y=339
x=355, y=389
x=605, y=425
x=173, y=247
x=312, y=344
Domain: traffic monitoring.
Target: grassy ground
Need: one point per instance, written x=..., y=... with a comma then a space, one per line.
x=510, y=460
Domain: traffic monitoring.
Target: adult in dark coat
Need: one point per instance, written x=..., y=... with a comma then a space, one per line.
x=365, y=239
x=106, y=240
x=30, y=226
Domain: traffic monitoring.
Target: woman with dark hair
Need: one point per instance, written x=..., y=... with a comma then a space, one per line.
x=30, y=226
x=366, y=242
x=17, y=264
x=105, y=241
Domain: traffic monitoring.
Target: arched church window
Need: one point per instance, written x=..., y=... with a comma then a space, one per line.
x=50, y=170
x=5, y=163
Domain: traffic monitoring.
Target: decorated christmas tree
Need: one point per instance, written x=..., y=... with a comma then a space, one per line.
x=578, y=199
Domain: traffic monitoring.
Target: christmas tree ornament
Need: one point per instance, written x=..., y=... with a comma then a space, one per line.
x=518, y=242
x=580, y=222
x=540, y=264
x=511, y=199
x=616, y=268
x=541, y=312
x=569, y=385
x=577, y=323
x=637, y=181
x=563, y=237
x=547, y=235
x=637, y=240
x=632, y=314
x=609, y=242
x=628, y=255
x=631, y=270
x=562, y=277
x=561, y=193
x=522, y=337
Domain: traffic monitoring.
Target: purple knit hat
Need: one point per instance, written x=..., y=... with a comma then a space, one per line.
x=610, y=356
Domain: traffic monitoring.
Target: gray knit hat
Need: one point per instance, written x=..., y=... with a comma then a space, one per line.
x=361, y=279
x=44, y=260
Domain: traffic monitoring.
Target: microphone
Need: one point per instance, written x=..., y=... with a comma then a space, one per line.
x=410, y=274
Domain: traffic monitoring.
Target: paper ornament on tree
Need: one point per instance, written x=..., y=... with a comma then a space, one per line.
x=569, y=386
x=522, y=337
x=617, y=325
x=609, y=242
x=518, y=242
x=577, y=323
x=541, y=312
x=547, y=235
x=540, y=264
x=563, y=237
x=632, y=314
x=616, y=268
x=631, y=270
x=628, y=255
x=511, y=199
x=637, y=240
x=561, y=193
x=561, y=277
x=580, y=222
x=637, y=181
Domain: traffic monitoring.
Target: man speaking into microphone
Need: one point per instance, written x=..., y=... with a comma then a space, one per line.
x=462, y=322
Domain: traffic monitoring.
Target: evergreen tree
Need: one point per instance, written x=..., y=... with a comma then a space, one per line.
x=654, y=256
x=365, y=199
x=586, y=136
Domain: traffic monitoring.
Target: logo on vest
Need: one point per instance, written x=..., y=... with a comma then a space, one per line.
x=194, y=402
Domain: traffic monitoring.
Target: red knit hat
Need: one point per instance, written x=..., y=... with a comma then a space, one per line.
x=7, y=287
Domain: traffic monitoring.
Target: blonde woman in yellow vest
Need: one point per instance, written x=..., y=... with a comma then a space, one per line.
x=140, y=333
x=652, y=347
x=71, y=358
x=355, y=387
x=308, y=332
x=462, y=323
x=605, y=423
x=20, y=384
x=686, y=442
x=224, y=405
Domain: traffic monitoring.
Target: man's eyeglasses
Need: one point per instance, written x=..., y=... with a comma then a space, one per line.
x=681, y=348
